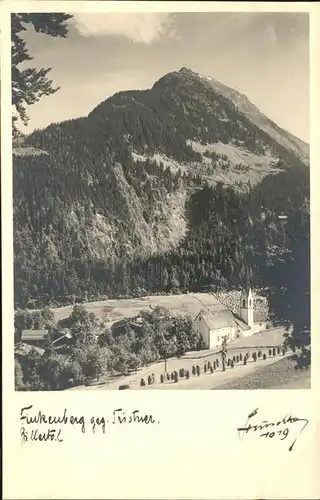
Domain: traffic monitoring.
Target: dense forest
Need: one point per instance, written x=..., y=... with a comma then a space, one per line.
x=232, y=237
x=90, y=222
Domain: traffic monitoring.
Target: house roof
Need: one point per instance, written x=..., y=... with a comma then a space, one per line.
x=66, y=335
x=124, y=322
x=258, y=316
x=33, y=334
x=25, y=349
x=218, y=318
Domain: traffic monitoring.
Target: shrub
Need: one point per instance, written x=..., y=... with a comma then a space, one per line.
x=254, y=356
x=149, y=380
x=229, y=362
x=240, y=356
x=259, y=354
x=214, y=365
x=168, y=376
x=205, y=368
x=283, y=351
x=232, y=364
x=217, y=363
x=211, y=369
x=278, y=349
x=245, y=360
x=303, y=359
x=237, y=359
x=198, y=370
x=233, y=358
x=172, y=376
x=274, y=351
x=187, y=374
x=142, y=382
x=270, y=352
x=194, y=370
x=209, y=365
x=176, y=378
x=293, y=349
x=183, y=372
x=161, y=378
x=123, y=387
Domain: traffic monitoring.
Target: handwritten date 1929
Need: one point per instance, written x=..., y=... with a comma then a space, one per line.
x=279, y=428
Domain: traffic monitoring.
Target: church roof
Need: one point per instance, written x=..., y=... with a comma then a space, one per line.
x=242, y=324
x=218, y=318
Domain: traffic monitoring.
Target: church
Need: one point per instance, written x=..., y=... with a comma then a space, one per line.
x=216, y=321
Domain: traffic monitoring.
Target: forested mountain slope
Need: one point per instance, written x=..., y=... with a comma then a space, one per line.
x=155, y=191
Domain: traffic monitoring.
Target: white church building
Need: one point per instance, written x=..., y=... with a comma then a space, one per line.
x=216, y=320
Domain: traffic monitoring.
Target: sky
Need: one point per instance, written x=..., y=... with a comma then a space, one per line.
x=263, y=55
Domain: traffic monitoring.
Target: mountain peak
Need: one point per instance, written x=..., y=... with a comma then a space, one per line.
x=176, y=77
x=186, y=70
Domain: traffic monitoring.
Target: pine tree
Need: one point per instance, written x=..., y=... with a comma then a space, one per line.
x=30, y=84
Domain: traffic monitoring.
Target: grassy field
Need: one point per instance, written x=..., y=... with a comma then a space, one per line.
x=279, y=375
x=114, y=310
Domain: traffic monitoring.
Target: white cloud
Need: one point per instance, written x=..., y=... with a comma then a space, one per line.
x=271, y=34
x=138, y=27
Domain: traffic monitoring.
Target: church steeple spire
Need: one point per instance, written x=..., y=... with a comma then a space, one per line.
x=246, y=306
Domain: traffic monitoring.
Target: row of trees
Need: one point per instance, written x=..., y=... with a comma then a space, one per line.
x=210, y=367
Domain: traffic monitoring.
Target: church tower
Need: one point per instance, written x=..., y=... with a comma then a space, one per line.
x=246, y=307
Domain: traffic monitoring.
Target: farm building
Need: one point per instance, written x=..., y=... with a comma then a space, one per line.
x=40, y=337
x=61, y=338
x=34, y=337
x=124, y=325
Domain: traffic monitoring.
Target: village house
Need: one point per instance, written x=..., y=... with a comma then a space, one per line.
x=34, y=337
x=124, y=325
x=62, y=338
x=216, y=321
x=41, y=337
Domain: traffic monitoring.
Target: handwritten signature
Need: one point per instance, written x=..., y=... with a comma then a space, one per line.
x=279, y=428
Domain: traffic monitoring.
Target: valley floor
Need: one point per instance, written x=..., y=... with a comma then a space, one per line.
x=274, y=372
